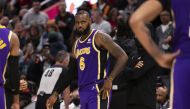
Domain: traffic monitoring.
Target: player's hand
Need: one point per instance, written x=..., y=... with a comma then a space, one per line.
x=51, y=101
x=15, y=106
x=74, y=94
x=106, y=88
x=166, y=59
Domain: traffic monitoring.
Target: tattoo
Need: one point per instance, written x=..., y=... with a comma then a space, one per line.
x=104, y=37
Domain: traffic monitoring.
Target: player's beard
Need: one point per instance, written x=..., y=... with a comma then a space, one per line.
x=85, y=32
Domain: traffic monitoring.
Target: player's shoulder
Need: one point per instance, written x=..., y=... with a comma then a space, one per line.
x=102, y=34
x=14, y=38
x=4, y=28
x=102, y=38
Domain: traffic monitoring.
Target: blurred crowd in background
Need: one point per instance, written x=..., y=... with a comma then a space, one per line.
x=41, y=37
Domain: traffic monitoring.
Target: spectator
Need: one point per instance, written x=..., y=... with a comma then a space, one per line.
x=10, y=9
x=35, y=69
x=104, y=8
x=22, y=12
x=165, y=31
x=35, y=16
x=50, y=29
x=48, y=59
x=26, y=91
x=13, y=21
x=65, y=22
x=4, y=21
x=26, y=58
x=130, y=8
x=55, y=44
x=19, y=30
x=99, y=22
x=141, y=87
x=34, y=35
x=162, y=97
x=124, y=40
x=112, y=18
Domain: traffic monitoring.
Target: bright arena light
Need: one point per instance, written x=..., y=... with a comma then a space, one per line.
x=72, y=5
x=93, y=1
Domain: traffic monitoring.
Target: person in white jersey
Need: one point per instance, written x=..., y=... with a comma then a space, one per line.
x=51, y=79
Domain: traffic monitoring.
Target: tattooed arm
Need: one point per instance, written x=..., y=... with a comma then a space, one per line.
x=105, y=41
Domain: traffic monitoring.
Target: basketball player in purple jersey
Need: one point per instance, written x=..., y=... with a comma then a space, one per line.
x=9, y=54
x=92, y=53
x=180, y=92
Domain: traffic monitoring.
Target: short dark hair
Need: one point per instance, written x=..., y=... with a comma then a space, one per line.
x=82, y=12
x=61, y=55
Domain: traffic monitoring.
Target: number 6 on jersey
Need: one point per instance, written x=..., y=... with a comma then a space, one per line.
x=82, y=63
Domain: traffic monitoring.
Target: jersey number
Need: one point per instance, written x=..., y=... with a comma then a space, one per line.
x=82, y=63
x=49, y=73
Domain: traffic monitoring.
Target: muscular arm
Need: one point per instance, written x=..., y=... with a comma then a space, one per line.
x=15, y=45
x=13, y=62
x=147, y=12
x=105, y=41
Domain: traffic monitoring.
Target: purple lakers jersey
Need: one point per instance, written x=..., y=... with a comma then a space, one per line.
x=181, y=40
x=5, y=36
x=93, y=63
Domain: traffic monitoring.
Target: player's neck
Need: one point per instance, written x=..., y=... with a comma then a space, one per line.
x=86, y=35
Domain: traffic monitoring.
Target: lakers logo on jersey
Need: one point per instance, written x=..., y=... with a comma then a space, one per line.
x=82, y=51
x=2, y=44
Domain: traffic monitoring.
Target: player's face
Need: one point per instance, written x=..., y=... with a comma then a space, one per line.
x=82, y=24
